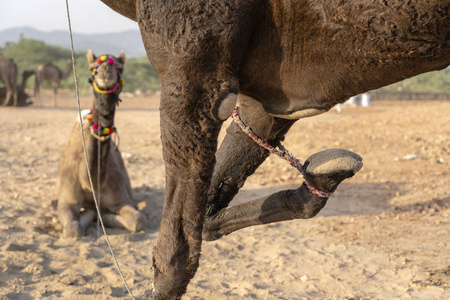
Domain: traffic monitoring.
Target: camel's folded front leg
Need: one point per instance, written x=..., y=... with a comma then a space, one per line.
x=86, y=219
x=239, y=156
x=324, y=170
x=128, y=217
x=74, y=222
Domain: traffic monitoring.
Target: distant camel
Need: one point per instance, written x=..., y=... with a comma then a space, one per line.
x=8, y=74
x=73, y=188
x=22, y=97
x=51, y=73
x=282, y=60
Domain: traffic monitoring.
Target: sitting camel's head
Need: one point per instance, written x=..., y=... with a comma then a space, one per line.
x=106, y=71
x=107, y=82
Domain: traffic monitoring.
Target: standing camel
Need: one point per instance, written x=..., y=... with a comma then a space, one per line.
x=73, y=188
x=281, y=60
x=8, y=74
x=51, y=73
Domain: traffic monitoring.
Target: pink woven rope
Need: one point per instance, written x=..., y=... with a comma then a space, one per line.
x=280, y=152
x=316, y=191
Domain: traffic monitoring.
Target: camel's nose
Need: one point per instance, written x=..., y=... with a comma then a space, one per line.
x=106, y=78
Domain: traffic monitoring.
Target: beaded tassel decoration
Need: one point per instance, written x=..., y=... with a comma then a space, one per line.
x=103, y=130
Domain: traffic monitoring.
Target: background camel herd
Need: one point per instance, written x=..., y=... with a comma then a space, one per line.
x=13, y=93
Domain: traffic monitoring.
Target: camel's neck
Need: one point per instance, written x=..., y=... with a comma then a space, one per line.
x=67, y=71
x=98, y=152
x=103, y=112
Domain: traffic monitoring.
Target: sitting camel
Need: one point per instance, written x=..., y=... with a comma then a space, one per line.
x=22, y=96
x=281, y=60
x=73, y=188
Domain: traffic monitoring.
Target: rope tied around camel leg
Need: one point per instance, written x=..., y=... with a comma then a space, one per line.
x=281, y=152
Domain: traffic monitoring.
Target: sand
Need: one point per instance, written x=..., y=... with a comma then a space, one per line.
x=384, y=234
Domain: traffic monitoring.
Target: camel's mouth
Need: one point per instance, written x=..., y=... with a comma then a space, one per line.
x=105, y=84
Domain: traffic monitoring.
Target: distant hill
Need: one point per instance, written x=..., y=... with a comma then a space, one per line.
x=130, y=41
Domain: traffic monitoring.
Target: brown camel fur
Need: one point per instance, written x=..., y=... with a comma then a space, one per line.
x=51, y=73
x=282, y=60
x=22, y=97
x=73, y=188
x=8, y=74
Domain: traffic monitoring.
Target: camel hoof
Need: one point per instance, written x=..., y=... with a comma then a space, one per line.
x=325, y=170
x=141, y=223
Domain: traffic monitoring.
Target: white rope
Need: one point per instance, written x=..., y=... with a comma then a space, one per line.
x=86, y=155
x=99, y=153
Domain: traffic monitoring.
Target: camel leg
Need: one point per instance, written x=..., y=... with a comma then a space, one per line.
x=189, y=145
x=37, y=91
x=15, y=100
x=86, y=219
x=75, y=223
x=200, y=81
x=113, y=220
x=129, y=218
x=232, y=169
x=70, y=202
x=239, y=156
x=69, y=217
x=15, y=97
x=55, y=91
x=8, y=96
x=324, y=170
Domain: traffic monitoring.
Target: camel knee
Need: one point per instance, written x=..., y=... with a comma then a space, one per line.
x=226, y=106
x=69, y=215
x=72, y=229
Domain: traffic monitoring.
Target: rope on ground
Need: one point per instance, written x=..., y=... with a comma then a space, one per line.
x=86, y=155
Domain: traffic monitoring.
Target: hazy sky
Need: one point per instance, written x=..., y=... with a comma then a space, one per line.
x=87, y=16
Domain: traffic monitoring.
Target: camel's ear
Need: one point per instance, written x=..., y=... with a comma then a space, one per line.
x=90, y=57
x=122, y=57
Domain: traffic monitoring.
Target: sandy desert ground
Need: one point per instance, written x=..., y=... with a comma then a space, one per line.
x=384, y=234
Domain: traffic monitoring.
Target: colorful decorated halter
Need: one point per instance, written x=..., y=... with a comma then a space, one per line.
x=91, y=80
x=105, y=132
